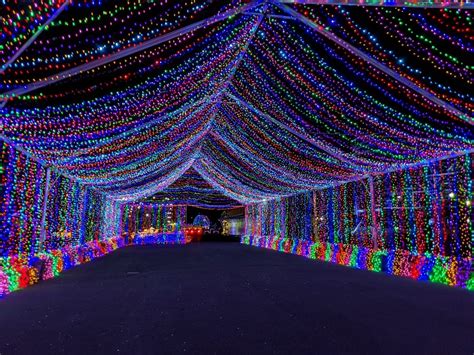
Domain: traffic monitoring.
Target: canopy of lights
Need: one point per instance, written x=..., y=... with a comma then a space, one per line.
x=343, y=127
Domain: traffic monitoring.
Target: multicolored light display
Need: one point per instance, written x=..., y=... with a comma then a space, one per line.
x=192, y=190
x=420, y=223
x=73, y=211
x=313, y=127
x=148, y=219
x=19, y=271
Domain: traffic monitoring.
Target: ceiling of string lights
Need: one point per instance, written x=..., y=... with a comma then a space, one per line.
x=216, y=101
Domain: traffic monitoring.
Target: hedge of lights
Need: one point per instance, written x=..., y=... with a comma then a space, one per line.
x=19, y=271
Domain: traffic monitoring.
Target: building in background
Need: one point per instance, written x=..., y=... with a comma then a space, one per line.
x=233, y=221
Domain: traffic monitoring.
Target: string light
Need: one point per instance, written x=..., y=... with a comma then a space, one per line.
x=253, y=110
x=408, y=242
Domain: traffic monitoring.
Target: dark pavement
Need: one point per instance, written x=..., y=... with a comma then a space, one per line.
x=225, y=298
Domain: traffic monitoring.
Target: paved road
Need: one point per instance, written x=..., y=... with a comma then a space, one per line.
x=226, y=298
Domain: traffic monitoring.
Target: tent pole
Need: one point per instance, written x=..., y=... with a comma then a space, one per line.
x=382, y=67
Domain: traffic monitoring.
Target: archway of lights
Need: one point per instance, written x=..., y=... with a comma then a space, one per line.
x=345, y=131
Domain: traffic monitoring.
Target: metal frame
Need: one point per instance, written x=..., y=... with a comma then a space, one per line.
x=388, y=3
x=125, y=52
x=243, y=51
x=45, y=205
x=349, y=47
x=33, y=38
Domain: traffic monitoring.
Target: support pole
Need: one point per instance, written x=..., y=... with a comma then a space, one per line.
x=375, y=226
x=389, y=3
x=45, y=206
